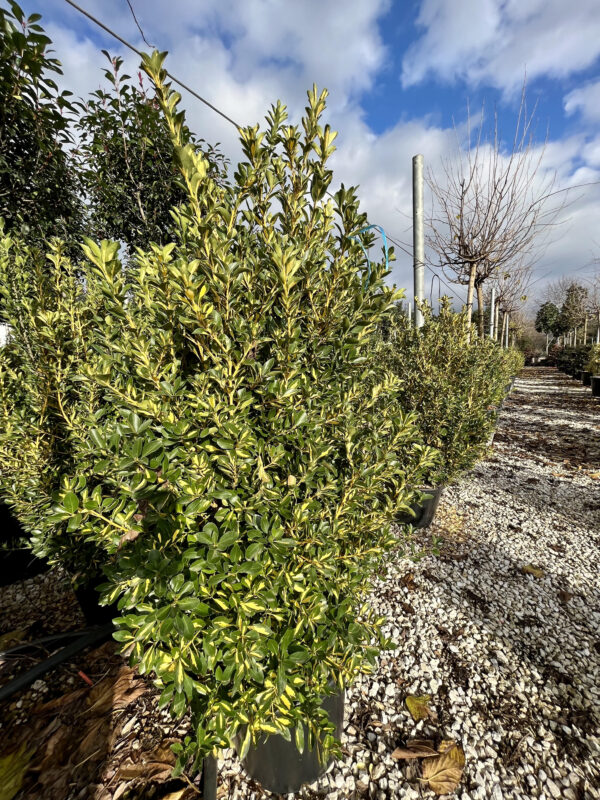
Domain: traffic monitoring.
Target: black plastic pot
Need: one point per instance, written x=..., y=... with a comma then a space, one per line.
x=279, y=766
x=424, y=511
x=94, y=613
x=577, y=374
x=17, y=563
x=595, y=384
x=586, y=378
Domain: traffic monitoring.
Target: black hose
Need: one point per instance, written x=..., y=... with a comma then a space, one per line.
x=40, y=643
x=87, y=639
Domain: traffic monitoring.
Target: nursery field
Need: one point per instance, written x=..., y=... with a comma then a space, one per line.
x=498, y=649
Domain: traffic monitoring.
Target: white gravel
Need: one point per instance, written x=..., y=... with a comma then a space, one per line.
x=511, y=661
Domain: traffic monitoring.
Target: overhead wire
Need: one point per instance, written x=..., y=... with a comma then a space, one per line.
x=140, y=54
x=206, y=102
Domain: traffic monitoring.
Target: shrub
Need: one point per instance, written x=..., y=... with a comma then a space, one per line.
x=43, y=407
x=573, y=359
x=234, y=473
x=593, y=362
x=450, y=380
x=514, y=361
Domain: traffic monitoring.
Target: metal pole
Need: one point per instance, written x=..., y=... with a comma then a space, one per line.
x=492, y=311
x=409, y=311
x=507, y=325
x=496, y=321
x=418, y=237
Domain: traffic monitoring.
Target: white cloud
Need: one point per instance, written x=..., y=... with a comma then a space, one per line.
x=495, y=42
x=586, y=101
x=243, y=56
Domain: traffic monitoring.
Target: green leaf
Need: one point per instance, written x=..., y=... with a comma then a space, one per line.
x=71, y=502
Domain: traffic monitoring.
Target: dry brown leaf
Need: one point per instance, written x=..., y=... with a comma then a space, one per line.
x=565, y=596
x=130, y=536
x=530, y=569
x=443, y=773
x=59, y=702
x=418, y=706
x=121, y=789
x=416, y=748
x=154, y=766
x=449, y=744
x=178, y=795
x=116, y=692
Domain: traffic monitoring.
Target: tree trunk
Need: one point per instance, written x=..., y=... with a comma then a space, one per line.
x=585, y=330
x=547, y=341
x=480, y=310
x=496, y=321
x=470, y=293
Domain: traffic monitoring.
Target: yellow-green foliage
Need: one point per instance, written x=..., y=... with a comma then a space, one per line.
x=224, y=457
x=593, y=364
x=451, y=380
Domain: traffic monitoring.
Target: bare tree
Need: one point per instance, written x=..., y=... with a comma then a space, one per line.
x=511, y=292
x=491, y=208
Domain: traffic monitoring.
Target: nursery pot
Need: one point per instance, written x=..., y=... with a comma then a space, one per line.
x=586, y=378
x=424, y=510
x=88, y=598
x=16, y=563
x=279, y=766
x=577, y=374
x=595, y=384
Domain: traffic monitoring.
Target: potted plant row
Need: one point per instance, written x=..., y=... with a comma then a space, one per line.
x=455, y=384
x=593, y=369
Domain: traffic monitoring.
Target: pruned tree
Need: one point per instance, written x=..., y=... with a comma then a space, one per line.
x=547, y=321
x=38, y=189
x=491, y=208
x=126, y=162
x=574, y=310
x=511, y=288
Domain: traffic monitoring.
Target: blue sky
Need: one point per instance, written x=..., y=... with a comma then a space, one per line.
x=400, y=74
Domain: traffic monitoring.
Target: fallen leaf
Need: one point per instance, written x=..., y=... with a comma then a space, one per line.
x=178, y=795
x=530, y=569
x=58, y=702
x=409, y=582
x=417, y=705
x=121, y=789
x=448, y=744
x=130, y=536
x=116, y=692
x=443, y=773
x=565, y=596
x=155, y=766
x=13, y=767
x=416, y=748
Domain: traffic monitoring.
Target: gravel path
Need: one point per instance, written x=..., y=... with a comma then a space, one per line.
x=511, y=660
